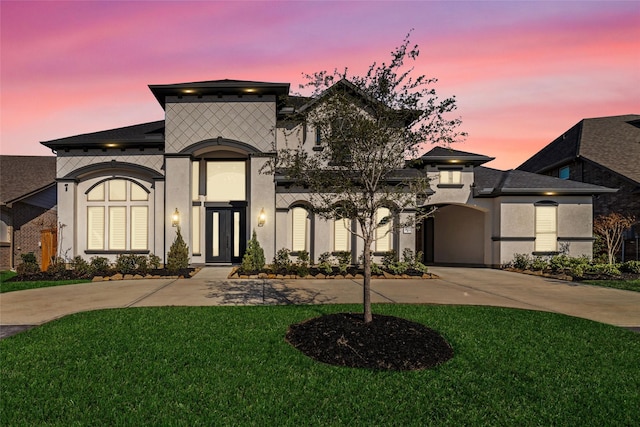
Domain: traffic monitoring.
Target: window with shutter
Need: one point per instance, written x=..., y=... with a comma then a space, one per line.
x=546, y=229
x=299, y=232
x=139, y=227
x=450, y=177
x=195, y=180
x=195, y=229
x=383, y=232
x=95, y=227
x=341, y=234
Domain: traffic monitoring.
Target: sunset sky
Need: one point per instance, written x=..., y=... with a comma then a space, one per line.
x=523, y=72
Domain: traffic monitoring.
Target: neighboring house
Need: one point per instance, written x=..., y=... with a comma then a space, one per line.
x=27, y=208
x=603, y=151
x=126, y=190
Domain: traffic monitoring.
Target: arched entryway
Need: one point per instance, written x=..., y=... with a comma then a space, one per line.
x=454, y=234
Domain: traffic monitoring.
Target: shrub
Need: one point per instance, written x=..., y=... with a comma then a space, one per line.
x=608, y=269
x=399, y=267
x=57, y=269
x=253, y=259
x=389, y=258
x=29, y=265
x=99, y=266
x=126, y=264
x=178, y=256
x=559, y=262
x=80, y=267
x=375, y=268
x=154, y=261
x=630, y=267
x=142, y=265
x=521, y=261
x=344, y=260
x=539, y=264
x=324, y=263
x=282, y=261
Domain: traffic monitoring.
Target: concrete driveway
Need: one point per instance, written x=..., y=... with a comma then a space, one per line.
x=467, y=286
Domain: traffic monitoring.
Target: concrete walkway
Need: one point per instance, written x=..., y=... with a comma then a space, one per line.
x=467, y=286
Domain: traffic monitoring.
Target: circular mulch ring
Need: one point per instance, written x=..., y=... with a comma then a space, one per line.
x=387, y=343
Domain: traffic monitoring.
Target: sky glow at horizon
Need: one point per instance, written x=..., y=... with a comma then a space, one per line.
x=522, y=72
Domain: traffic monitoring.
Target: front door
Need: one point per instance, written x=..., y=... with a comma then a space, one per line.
x=226, y=235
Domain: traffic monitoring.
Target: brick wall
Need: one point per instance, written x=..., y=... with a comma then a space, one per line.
x=28, y=222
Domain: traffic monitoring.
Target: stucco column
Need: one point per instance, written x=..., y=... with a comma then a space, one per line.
x=67, y=224
x=177, y=196
x=262, y=196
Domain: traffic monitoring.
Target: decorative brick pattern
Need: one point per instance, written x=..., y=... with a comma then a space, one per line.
x=249, y=122
x=68, y=163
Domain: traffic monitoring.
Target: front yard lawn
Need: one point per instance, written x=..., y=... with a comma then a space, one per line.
x=627, y=285
x=21, y=286
x=232, y=366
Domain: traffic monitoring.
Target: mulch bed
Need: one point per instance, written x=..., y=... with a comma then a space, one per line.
x=387, y=343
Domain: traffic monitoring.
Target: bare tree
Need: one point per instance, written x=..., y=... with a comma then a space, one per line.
x=611, y=228
x=366, y=129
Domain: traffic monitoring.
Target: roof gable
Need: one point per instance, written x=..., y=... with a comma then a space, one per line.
x=445, y=155
x=21, y=176
x=612, y=142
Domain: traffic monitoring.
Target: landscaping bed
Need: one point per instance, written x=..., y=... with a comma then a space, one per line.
x=316, y=273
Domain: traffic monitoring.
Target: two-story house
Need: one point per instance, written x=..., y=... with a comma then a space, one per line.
x=126, y=190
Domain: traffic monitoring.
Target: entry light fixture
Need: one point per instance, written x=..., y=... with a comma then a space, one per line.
x=175, y=218
x=262, y=217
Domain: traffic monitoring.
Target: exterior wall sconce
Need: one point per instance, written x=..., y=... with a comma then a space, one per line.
x=262, y=217
x=175, y=218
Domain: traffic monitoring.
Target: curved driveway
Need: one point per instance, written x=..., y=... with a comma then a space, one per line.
x=468, y=286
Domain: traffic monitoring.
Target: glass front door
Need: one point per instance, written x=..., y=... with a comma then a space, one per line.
x=226, y=235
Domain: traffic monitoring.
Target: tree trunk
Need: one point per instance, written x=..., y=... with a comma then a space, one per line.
x=366, y=282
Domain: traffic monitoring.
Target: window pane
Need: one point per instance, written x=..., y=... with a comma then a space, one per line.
x=195, y=180
x=383, y=234
x=96, y=193
x=195, y=229
x=564, y=172
x=139, y=227
x=225, y=181
x=95, y=227
x=117, y=190
x=215, y=239
x=299, y=235
x=236, y=234
x=117, y=228
x=341, y=235
x=456, y=177
x=138, y=193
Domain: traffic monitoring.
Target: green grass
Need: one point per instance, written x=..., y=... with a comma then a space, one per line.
x=627, y=285
x=21, y=286
x=231, y=366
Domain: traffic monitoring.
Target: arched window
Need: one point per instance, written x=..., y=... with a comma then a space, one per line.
x=117, y=216
x=299, y=219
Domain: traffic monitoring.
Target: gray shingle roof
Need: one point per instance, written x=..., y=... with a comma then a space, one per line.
x=492, y=182
x=145, y=135
x=21, y=176
x=612, y=142
x=440, y=155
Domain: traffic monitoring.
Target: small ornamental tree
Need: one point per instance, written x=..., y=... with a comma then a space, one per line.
x=253, y=259
x=366, y=129
x=178, y=255
x=611, y=229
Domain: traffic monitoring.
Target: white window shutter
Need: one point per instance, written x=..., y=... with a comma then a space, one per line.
x=383, y=234
x=95, y=228
x=139, y=228
x=299, y=232
x=341, y=234
x=117, y=228
x=546, y=229
x=195, y=229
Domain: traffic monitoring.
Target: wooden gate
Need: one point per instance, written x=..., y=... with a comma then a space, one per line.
x=49, y=245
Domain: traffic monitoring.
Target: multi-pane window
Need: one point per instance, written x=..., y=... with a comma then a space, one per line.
x=299, y=229
x=117, y=216
x=450, y=177
x=383, y=232
x=226, y=181
x=546, y=228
